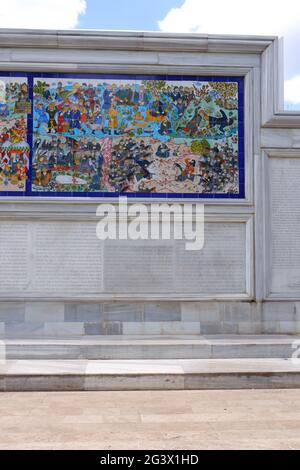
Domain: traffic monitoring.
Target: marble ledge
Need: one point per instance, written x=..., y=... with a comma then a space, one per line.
x=126, y=40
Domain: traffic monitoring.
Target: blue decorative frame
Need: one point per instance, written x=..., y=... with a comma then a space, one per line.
x=241, y=146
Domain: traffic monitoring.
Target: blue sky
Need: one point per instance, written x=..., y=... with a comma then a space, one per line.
x=182, y=16
x=126, y=14
x=187, y=15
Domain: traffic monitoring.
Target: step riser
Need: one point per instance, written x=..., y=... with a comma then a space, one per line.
x=148, y=352
x=150, y=382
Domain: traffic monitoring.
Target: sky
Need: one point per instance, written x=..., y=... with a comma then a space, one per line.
x=263, y=17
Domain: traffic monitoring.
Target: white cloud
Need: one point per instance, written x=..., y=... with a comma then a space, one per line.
x=260, y=17
x=292, y=90
x=48, y=14
x=233, y=17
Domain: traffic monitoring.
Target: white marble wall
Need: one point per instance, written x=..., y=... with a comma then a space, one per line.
x=247, y=277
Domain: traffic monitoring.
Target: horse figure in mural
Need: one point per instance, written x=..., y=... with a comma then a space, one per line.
x=222, y=122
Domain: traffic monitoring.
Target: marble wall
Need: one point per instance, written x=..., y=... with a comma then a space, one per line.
x=57, y=278
x=67, y=319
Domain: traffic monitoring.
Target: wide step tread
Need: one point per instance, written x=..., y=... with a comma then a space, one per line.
x=80, y=375
x=156, y=347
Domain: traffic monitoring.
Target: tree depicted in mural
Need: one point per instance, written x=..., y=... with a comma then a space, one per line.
x=227, y=93
x=39, y=88
x=154, y=86
x=199, y=147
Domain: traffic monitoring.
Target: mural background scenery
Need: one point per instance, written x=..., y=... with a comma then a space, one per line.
x=120, y=134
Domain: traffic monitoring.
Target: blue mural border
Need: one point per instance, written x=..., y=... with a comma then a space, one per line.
x=241, y=130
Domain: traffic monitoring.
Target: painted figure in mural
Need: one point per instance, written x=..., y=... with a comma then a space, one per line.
x=59, y=92
x=60, y=123
x=222, y=121
x=163, y=151
x=113, y=119
x=74, y=118
x=42, y=116
x=136, y=136
x=157, y=109
x=165, y=127
x=107, y=99
x=46, y=93
x=23, y=105
x=4, y=136
x=51, y=111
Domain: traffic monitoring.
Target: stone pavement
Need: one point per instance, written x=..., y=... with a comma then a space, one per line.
x=247, y=419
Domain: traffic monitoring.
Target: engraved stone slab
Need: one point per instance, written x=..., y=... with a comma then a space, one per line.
x=14, y=256
x=139, y=266
x=67, y=258
x=166, y=266
x=220, y=267
x=50, y=257
x=285, y=225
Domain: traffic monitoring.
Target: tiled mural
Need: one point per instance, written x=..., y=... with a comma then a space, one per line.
x=14, y=148
x=140, y=136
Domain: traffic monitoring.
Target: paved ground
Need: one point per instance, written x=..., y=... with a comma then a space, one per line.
x=260, y=419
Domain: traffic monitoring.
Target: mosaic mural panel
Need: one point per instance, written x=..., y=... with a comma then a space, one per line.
x=106, y=135
x=15, y=106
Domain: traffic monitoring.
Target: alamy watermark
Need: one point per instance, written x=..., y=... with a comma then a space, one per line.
x=296, y=353
x=152, y=222
x=2, y=352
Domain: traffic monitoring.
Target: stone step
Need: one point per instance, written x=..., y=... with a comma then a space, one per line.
x=195, y=374
x=152, y=347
